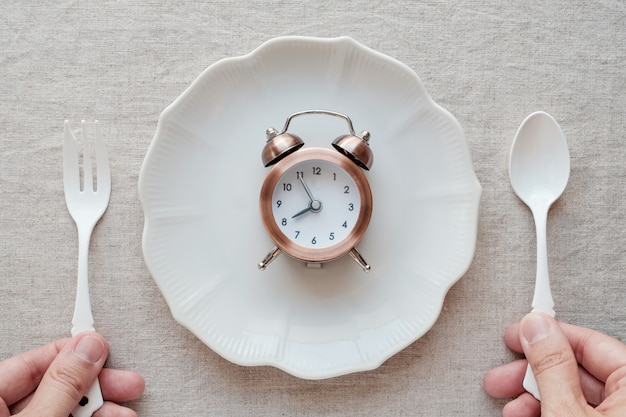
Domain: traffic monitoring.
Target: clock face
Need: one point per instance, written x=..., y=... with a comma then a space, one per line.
x=316, y=204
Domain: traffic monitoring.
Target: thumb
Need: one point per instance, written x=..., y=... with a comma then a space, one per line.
x=70, y=375
x=553, y=363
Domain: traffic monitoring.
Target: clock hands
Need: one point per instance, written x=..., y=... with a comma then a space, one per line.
x=314, y=205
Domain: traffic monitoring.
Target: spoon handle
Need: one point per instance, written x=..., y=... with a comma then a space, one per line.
x=542, y=300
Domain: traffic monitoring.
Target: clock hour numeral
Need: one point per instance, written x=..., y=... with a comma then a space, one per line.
x=283, y=221
x=331, y=236
x=317, y=171
x=286, y=186
x=297, y=233
x=345, y=225
x=279, y=203
x=299, y=174
x=350, y=207
x=346, y=189
x=314, y=240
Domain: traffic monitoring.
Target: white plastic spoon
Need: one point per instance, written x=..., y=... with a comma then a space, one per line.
x=539, y=167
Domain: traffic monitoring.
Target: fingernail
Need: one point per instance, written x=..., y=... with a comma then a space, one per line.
x=535, y=327
x=90, y=348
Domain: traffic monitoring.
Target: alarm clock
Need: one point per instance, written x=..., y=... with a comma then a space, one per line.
x=316, y=203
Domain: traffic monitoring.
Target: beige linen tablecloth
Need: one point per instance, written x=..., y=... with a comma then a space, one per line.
x=490, y=63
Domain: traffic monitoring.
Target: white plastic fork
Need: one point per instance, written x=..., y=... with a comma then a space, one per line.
x=86, y=205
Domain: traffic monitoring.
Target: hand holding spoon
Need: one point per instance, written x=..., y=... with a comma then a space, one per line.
x=539, y=167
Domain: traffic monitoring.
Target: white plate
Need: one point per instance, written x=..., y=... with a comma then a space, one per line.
x=203, y=236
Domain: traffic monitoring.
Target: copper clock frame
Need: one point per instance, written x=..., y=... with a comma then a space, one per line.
x=287, y=245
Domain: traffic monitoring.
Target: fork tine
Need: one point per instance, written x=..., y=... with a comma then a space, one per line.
x=71, y=172
x=87, y=170
x=102, y=163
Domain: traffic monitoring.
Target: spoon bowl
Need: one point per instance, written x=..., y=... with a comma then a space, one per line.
x=539, y=163
x=539, y=168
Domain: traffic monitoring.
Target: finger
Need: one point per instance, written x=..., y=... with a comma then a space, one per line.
x=598, y=353
x=70, y=375
x=22, y=373
x=4, y=409
x=511, y=338
x=116, y=385
x=615, y=403
x=553, y=363
x=587, y=344
x=21, y=404
x=615, y=392
x=506, y=381
x=523, y=406
x=110, y=409
x=119, y=386
x=593, y=389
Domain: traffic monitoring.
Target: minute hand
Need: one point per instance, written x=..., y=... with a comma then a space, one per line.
x=314, y=205
x=306, y=187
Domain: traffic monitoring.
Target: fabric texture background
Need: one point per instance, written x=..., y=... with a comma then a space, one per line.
x=490, y=63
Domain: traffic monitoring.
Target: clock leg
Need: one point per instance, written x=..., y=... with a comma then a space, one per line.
x=359, y=260
x=269, y=258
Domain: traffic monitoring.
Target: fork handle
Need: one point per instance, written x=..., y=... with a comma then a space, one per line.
x=83, y=317
x=90, y=403
x=83, y=320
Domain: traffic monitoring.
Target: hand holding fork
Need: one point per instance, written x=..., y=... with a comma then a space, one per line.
x=86, y=205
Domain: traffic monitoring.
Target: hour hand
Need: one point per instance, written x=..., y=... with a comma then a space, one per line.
x=315, y=206
x=301, y=212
